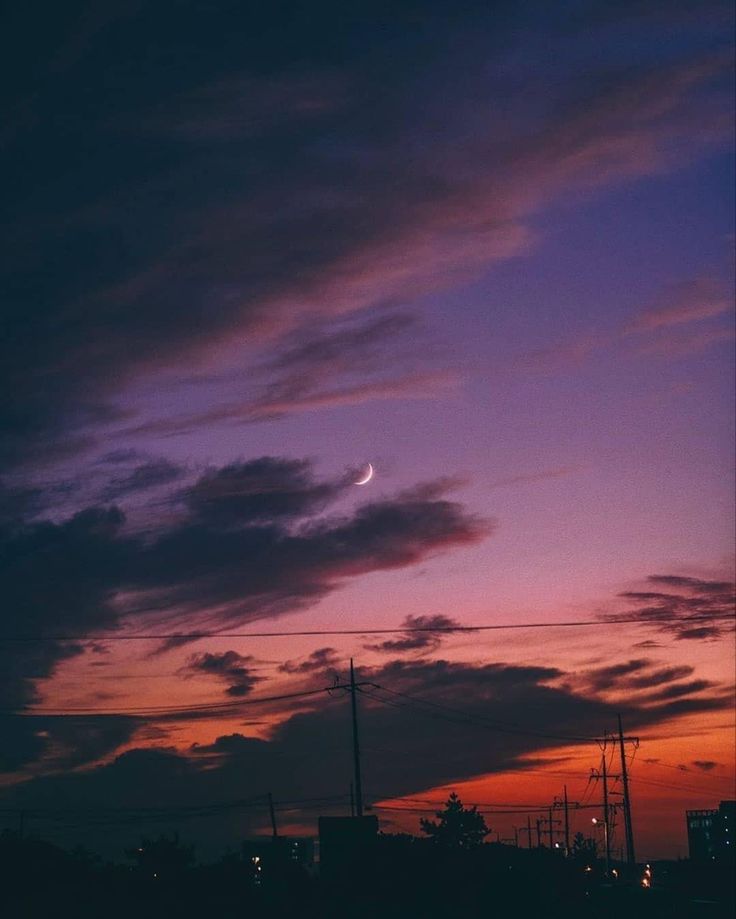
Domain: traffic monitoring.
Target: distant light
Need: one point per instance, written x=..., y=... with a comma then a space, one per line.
x=594, y=820
x=557, y=845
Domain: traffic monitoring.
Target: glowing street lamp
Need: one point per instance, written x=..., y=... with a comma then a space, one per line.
x=595, y=821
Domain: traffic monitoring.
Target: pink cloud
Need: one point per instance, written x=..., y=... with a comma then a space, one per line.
x=681, y=304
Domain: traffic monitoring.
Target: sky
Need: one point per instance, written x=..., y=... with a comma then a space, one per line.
x=250, y=249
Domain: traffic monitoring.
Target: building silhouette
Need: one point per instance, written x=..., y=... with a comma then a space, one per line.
x=710, y=833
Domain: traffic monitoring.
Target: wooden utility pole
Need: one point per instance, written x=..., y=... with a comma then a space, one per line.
x=529, y=829
x=629, y=830
x=356, y=745
x=539, y=834
x=274, y=828
x=567, y=822
x=606, y=833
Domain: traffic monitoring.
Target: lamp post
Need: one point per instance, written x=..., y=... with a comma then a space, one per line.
x=595, y=821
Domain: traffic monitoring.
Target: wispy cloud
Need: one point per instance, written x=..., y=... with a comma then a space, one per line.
x=686, y=318
x=246, y=541
x=682, y=304
x=326, y=222
x=229, y=666
x=317, y=661
x=678, y=598
x=419, y=635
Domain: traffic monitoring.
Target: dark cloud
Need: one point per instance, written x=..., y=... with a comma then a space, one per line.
x=703, y=632
x=676, y=690
x=706, y=765
x=365, y=360
x=637, y=674
x=278, y=171
x=151, y=474
x=229, y=666
x=610, y=677
x=54, y=578
x=61, y=742
x=198, y=565
x=321, y=659
x=658, y=677
x=449, y=722
x=418, y=636
x=684, y=597
x=246, y=546
x=263, y=489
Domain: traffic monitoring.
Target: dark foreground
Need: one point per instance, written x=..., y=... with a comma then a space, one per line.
x=399, y=879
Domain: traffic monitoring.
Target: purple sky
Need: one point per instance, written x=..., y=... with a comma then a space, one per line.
x=489, y=252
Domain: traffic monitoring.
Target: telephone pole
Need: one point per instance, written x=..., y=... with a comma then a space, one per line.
x=628, y=828
x=274, y=829
x=551, y=823
x=356, y=746
x=567, y=822
x=605, y=813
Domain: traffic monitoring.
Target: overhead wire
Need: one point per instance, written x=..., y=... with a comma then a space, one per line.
x=498, y=626
x=214, y=707
x=502, y=727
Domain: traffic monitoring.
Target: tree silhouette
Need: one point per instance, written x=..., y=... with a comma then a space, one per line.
x=163, y=857
x=584, y=849
x=456, y=827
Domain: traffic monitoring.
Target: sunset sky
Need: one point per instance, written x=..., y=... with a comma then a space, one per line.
x=251, y=248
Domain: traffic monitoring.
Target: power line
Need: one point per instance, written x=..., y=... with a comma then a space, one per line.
x=469, y=717
x=677, y=787
x=702, y=774
x=195, y=636
x=213, y=707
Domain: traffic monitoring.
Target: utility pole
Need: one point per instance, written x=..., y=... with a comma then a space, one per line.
x=526, y=829
x=629, y=830
x=539, y=833
x=605, y=813
x=271, y=810
x=551, y=823
x=356, y=746
x=567, y=823
x=352, y=801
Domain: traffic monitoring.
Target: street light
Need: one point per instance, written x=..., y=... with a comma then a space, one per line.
x=595, y=821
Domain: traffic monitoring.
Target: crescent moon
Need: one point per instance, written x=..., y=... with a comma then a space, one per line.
x=366, y=477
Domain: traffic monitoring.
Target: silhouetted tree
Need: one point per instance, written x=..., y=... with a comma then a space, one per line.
x=456, y=827
x=162, y=857
x=584, y=849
